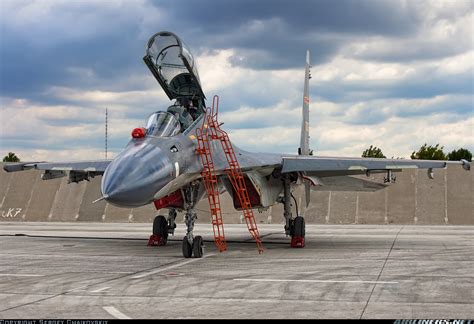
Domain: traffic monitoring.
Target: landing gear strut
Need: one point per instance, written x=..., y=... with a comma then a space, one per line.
x=293, y=227
x=192, y=246
x=287, y=205
x=172, y=220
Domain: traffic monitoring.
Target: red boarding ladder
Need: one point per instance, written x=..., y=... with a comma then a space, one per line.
x=210, y=181
x=234, y=172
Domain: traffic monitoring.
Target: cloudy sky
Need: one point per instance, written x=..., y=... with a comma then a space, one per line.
x=394, y=74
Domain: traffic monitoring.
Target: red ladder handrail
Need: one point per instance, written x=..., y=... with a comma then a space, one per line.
x=234, y=172
x=211, y=184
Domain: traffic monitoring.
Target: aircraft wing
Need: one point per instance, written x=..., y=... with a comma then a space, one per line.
x=336, y=166
x=78, y=170
x=334, y=173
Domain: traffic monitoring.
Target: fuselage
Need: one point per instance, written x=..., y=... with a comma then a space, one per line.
x=146, y=165
x=150, y=168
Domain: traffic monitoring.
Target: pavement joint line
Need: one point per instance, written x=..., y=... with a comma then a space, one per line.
x=317, y=281
x=146, y=299
x=100, y=289
x=20, y=275
x=250, y=240
x=120, y=277
x=380, y=273
x=115, y=312
x=177, y=265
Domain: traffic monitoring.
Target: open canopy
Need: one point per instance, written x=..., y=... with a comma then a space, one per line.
x=173, y=66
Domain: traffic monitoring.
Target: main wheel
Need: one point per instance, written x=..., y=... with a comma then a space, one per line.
x=299, y=227
x=197, y=247
x=160, y=229
x=160, y=226
x=187, y=248
x=297, y=238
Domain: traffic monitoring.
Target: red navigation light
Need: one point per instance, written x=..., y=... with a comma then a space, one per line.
x=138, y=132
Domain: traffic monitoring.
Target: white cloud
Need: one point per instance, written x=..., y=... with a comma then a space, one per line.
x=122, y=98
x=396, y=137
x=281, y=113
x=456, y=64
x=215, y=71
x=61, y=131
x=404, y=125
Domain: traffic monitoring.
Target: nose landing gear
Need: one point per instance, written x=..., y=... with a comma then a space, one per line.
x=192, y=245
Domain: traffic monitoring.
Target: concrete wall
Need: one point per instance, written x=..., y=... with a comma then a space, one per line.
x=413, y=199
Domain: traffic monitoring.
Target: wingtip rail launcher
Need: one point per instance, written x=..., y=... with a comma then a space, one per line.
x=211, y=130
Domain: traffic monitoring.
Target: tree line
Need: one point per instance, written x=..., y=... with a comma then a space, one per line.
x=426, y=152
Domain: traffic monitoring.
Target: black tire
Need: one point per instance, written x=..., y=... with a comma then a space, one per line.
x=299, y=227
x=160, y=226
x=197, y=247
x=187, y=248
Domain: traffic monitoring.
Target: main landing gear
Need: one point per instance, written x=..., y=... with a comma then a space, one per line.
x=294, y=227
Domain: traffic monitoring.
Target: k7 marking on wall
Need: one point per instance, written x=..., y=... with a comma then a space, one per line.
x=11, y=212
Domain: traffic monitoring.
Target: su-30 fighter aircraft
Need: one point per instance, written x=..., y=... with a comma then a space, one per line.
x=182, y=156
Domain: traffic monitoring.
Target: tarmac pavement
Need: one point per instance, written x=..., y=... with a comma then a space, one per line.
x=105, y=270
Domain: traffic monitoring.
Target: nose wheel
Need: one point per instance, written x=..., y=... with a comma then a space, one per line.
x=197, y=247
x=187, y=248
x=194, y=249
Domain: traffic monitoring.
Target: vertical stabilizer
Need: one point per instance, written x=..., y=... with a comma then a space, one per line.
x=304, y=140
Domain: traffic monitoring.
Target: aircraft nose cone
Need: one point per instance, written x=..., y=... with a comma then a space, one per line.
x=132, y=179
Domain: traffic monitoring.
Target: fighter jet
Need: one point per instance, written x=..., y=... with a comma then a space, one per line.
x=163, y=162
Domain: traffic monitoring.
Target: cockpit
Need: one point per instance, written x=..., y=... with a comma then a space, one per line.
x=162, y=124
x=174, y=67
